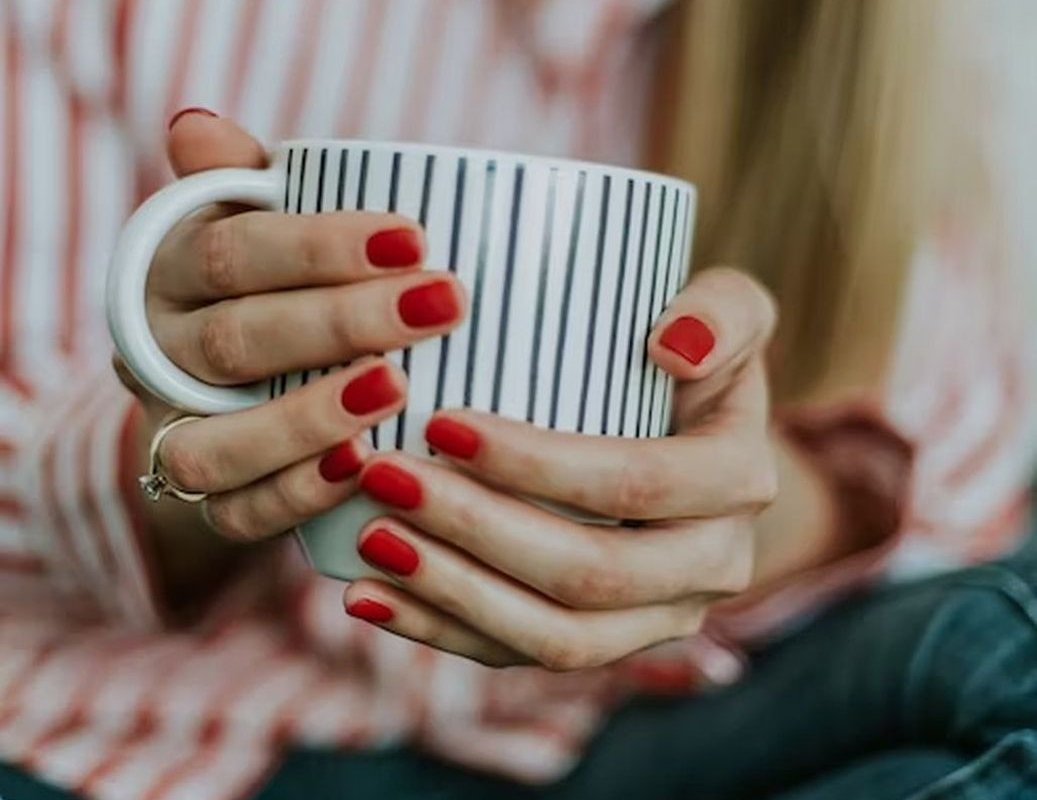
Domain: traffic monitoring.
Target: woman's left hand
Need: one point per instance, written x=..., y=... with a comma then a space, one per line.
x=474, y=569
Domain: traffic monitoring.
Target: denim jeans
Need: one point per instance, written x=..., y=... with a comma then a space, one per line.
x=921, y=691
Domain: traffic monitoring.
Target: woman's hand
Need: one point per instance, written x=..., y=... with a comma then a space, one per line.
x=238, y=295
x=474, y=569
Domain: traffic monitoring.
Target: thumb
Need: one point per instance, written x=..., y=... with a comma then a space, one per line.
x=720, y=319
x=198, y=140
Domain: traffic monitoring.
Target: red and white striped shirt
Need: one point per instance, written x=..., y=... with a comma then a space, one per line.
x=94, y=694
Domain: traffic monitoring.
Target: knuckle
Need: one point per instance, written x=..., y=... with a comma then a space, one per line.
x=230, y=521
x=319, y=244
x=562, y=653
x=221, y=256
x=185, y=466
x=297, y=496
x=639, y=488
x=345, y=322
x=221, y=342
x=597, y=584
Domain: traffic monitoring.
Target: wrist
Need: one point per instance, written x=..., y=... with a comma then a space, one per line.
x=799, y=530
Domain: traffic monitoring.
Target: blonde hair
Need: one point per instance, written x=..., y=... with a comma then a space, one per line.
x=820, y=136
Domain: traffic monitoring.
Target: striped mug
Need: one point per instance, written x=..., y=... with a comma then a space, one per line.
x=567, y=265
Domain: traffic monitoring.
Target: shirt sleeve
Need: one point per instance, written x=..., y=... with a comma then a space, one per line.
x=80, y=524
x=866, y=467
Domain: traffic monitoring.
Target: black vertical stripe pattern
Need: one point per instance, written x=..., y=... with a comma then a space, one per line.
x=681, y=277
x=617, y=307
x=545, y=262
x=361, y=186
x=320, y=179
x=563, y=316
x=565, y=373
x=302, y=180
x=280, y=384
x=455, y=242
x=286, y=208
x=426, y=189
x=642, y=340
x=394, y=188
x=288, y=180
x=632, y=351
x=394, y=181
x=480, y=274
x=668, y=281
x=318, y=207
x=361, y=204
x=426, y=193
x=340, y=191
x=588, y=353
x=509, y=271
x=656, y=372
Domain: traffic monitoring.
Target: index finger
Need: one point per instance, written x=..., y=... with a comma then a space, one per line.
x=634, y=479
x=264, y=251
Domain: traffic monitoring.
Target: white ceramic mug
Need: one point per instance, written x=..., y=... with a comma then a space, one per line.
x=567, y=266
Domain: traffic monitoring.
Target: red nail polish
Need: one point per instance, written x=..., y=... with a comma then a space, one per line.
x=688, y=337
x=370, y=610
x=340, y=463
x=370, y=391
x=429, y=305
x=452, y=437
x=399, y=247
x=190, y=110
x=391, y=485
x=385, y=550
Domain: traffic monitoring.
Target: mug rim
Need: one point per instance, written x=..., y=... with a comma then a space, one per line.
x=557, y=162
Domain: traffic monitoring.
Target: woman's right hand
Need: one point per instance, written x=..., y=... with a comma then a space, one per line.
x=237, y=295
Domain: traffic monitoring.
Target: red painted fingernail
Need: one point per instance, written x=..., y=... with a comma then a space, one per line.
x=399, y=247
x=429, y=305
x=370, y=391
x=384, y=550
x=391, y=485
x=688, y=337
x=340, y=463
x=370, y=610
x=189, y=110
x=452, y=437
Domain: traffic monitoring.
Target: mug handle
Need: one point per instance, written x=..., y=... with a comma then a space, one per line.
x=128, y=277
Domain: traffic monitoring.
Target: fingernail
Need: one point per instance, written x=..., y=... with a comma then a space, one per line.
x=384, y=550
x=391, y=485
x=370, y=391
x=340, y=463
x=398, y=247
x=452, y=437
x=189, y=110
x=370, y=610
x=690, y=338
x=429, y=305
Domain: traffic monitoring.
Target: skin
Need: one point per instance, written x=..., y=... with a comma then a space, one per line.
x=500, y=580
